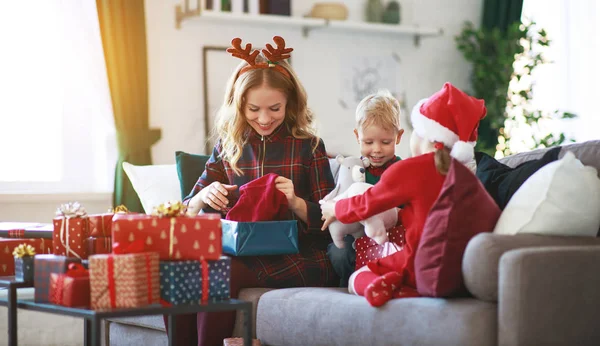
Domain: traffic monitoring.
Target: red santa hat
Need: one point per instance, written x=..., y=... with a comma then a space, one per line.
x=260, y=201
x=450, y=117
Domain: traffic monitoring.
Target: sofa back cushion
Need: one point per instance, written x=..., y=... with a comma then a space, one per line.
x=502, y=181
x=562, y=198
x=462, y=210
x=189, y=168
x=587, y=152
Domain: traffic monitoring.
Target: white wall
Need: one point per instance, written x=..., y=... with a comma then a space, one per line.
x=175, y=66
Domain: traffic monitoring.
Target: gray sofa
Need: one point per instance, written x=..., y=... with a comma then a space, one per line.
x=527, y=290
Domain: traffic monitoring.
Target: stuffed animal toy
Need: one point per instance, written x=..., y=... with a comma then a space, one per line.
x=351, y=182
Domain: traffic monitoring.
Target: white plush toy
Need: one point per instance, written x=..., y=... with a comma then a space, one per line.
x=351, y=182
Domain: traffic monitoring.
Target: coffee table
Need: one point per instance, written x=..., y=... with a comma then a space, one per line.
x=93, y=318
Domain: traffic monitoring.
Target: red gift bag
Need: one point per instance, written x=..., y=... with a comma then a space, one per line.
x=367, y=249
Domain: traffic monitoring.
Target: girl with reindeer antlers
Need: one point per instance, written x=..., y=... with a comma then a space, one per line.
x=264, y=126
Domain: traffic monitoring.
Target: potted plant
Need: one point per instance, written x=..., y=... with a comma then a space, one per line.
x=502, y=64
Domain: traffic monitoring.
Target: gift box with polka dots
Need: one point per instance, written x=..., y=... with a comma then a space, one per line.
x=181, y=282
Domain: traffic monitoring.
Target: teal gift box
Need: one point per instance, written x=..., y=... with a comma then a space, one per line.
x=260, y=238
x=182, y=282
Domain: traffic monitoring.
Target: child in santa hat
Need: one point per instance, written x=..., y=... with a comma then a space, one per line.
x=444, y=125
x=377, y=131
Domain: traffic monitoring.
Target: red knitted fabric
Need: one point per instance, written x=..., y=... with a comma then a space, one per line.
x=260, y=201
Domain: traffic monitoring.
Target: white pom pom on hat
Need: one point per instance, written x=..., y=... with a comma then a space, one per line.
x=451, y=117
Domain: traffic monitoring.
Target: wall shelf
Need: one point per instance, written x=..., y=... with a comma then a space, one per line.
x=308, y=24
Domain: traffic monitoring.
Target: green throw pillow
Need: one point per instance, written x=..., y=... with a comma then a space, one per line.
x=189, y=168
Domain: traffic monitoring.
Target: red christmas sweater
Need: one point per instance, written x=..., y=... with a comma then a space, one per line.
x=414, y=183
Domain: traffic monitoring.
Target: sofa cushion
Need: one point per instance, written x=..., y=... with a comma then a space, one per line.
x=154, y=184
x=562, y=198
x=331, y=316
x=462, y=210
x=189, y=168
x=502, y=181
x=483, y=253
x=588, y=152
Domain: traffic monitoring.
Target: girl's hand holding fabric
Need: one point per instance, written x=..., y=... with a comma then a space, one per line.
x=286, y=186
x=214, y=196
x=328, y=212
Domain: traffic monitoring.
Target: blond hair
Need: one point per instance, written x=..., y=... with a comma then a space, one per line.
x=380, y=109
x=231, y=126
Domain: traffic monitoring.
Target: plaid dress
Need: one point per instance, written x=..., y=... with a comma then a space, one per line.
x=293, y=158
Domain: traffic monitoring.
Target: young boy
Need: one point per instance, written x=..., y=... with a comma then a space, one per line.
x=378, y=132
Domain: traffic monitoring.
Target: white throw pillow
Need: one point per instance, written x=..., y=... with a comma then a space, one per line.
x=561, y=198
x=154, y=184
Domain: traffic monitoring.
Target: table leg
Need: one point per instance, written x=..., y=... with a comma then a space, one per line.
x=87, y=332
x=172, y=329
x=95, y=340
x=248, y=325
x=12, y=315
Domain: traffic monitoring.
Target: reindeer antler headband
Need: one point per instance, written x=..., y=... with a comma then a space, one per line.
x=273, y=55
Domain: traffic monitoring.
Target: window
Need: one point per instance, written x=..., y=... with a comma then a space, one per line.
x=570, y=82
x=57, y=131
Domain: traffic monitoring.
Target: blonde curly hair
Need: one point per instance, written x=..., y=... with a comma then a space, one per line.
x=231, y=127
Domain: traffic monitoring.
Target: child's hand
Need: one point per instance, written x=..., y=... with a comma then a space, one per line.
x=328, y=212
x=286, y=186
x=214, y=196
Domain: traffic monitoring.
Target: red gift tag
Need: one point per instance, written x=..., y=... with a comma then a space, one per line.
x=367, y=249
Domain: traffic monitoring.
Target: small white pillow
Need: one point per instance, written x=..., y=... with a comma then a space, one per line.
x=561, y=198
x=154, y=184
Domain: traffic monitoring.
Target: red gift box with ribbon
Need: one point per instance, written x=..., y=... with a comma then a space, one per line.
x=7, y=260
x=367, y=249
x=128, y=278
x=71, y=231
x=99, y=245
x=100, y=224
x=71, y=288
x=174, y=238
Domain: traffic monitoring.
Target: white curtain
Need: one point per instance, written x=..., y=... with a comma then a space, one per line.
x=570, y=83
x=57, y=132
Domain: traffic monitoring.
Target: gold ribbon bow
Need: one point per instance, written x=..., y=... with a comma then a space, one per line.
x=24, y=250
x=170, y=209
x=120, y=209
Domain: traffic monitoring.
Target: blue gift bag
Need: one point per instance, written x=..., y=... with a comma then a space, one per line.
x=260, y=238
x=181, y=281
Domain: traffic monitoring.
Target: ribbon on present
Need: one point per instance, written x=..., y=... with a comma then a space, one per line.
x=68, y=211
x=172, y=210
x=75, y=270
x=120, y=209
x=136, y=247
x=205, y=279
x=24, y=250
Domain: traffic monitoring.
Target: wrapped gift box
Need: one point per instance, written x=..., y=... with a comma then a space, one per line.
x=367, y=249
x=70, y=235
x=44, y=265
x=26, y=230
x=260, y=238
x=174, y=238
x=183, y=282
x=100, y=225
x=99, y=245
x=71, y=288
x=7, y=261
x=124, y=280
x=24, y=268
